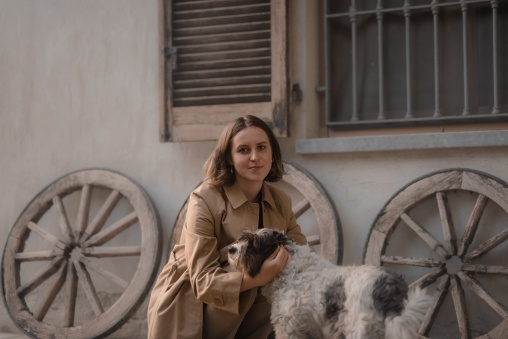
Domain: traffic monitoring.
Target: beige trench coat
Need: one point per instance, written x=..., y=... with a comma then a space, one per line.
x=195, y=273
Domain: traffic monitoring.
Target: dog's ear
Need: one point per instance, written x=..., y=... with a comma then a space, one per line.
x=282, y=238
x=246, y=236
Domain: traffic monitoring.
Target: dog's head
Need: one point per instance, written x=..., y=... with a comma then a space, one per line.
x=251, y=249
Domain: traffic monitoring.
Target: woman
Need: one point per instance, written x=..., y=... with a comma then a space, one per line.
x=195, y=295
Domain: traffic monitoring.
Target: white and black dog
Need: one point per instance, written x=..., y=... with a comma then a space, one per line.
x=313, y=298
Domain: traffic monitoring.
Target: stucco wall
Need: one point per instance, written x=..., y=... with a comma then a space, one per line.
x=79, y=88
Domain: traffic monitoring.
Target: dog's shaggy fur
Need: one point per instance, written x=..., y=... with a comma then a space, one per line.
x=313, y=298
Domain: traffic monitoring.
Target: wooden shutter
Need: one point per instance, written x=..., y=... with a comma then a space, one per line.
x=223, y=59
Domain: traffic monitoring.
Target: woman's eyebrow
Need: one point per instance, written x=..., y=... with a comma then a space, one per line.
x=241, y=146
x=247, y=145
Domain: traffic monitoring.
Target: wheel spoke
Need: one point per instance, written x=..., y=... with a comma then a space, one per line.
x=475, y=286
x=501, y=270
x=446, y=222
x=300, y=208
x=65, y=226
x=487, y=245
x=83, y=211
x=86, y=283
x=37, y=255
x=51, y=294
x=46, y=235
x=101, y=216
x=429, y=278
x=460, y=307
x=72, y=291
x=426, y=262
x=313, y=239
x=111, y=231
x=118, y=251
x=437, y=301
x=46, y=272
x=472, y=224
x=425, y=236
x=104, y=272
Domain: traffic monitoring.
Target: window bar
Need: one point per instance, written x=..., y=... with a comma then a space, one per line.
x=352, y=15
x=379, y=16
x=463, y=6
x=327, y=65
x=435, y=12
x=409, y=114
x=495, y=109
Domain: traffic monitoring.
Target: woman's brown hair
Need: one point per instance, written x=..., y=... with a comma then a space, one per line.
x=218, y=167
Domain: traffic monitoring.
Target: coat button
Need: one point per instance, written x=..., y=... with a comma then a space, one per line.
x=217, y=301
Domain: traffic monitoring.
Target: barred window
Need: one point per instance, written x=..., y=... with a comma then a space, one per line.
x=396, y=63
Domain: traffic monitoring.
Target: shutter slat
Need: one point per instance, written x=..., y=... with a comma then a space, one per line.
x=224, y=46
x=226, y=99
x=223, y=73
x=230, y=28
x=222, y=91
x=251, y=17
x=187, y=5
x=222, y=11
x=231, y=81
x=222, y=64
x=210, y=39
x=226, y=55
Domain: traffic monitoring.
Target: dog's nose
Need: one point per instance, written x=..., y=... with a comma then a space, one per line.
x=232, y=250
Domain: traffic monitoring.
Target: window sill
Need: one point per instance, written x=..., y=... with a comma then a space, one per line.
x=445, y=140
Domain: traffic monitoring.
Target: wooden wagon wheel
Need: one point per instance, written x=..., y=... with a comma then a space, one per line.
x=314, y=211
x=447, y=231
x=67, y=277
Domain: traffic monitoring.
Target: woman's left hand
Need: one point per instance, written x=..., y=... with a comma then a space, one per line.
x=271, y=268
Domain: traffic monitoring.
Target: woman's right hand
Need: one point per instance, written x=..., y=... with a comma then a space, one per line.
x=270, y=269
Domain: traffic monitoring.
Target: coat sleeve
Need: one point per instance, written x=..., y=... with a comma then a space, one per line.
x=210, y=283
x=283, y=204
x=294, y=230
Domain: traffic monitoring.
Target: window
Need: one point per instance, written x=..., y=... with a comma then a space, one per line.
x=223, y=59
x=399, y=63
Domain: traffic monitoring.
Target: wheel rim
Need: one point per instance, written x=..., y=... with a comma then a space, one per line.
x=74, y=242
x=456, y=252
x=310, y=203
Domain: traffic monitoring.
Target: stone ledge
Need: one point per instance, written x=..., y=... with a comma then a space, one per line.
x=445, y=140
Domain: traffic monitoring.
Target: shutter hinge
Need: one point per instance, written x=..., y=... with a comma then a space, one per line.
x=297, y=92
x=171, y=52
x=165, y=136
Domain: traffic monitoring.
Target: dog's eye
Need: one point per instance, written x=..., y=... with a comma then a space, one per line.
x=232, y=250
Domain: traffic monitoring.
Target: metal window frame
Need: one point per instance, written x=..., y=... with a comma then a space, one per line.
x=438, y=117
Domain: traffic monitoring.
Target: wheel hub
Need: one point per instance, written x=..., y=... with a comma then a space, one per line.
x=75, y=253
x=454, y=265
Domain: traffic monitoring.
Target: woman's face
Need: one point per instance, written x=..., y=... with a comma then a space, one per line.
x=251, y=154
